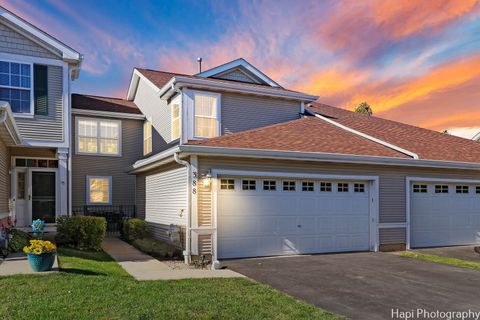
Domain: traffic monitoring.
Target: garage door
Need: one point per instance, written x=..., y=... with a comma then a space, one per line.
x=265, y=217
x=444, y=214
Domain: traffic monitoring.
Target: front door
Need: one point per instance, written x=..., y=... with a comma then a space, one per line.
x=43, y=196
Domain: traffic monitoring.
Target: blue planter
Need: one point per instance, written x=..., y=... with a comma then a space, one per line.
x=41, y=262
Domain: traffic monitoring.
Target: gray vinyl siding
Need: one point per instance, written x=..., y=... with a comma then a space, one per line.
x=236, y=75
x=159, y=111
x=123, y=184
x=242, y=112
x=49, y=127
x=392, y=180
x=15, y=43
x=4, y=177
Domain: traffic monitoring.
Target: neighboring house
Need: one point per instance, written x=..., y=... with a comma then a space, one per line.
x=228, y=163
x=35, y=74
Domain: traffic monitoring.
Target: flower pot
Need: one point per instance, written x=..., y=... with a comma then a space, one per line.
x=41, y=262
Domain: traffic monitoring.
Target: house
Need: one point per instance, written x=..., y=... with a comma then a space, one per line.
x=228, y=163
x=35, y=74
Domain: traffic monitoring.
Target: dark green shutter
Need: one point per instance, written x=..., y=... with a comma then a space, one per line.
x=40, y=89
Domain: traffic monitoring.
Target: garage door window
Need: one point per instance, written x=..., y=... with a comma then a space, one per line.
x=359, y=187
x=420, y=188
x=462, y=189
x=441, y=188
x=342, y=187
x=288, y=185
x=269, y=185
x=227, y=184
x=307, y=186
x=325, y=186
x=477, y=189
x=249, y=185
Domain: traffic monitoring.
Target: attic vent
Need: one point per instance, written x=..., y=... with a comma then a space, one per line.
x=199, y=60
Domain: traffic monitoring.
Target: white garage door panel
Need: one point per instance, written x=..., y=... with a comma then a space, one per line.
x=263, y=223
x=444, y=219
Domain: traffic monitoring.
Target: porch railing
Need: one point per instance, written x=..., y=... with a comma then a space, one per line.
x=113, y=214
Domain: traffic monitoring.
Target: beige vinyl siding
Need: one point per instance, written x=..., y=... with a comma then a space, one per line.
x=123, y=184
x=159, y=111
x=165, y=198
x=49, y=127
x=4, y=177
x=14, y=42
x=392, y=203
x=242, y=112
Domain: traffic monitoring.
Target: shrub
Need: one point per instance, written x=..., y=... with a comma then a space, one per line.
x=18, y=240
x=81, y=232
x=157, y=248
x=134, y=229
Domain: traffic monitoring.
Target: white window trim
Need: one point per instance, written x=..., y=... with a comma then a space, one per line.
x=148, y=120
x=31, y=114
x=191, y=113
x=109, y=191
x=77, y=151
x=176, y=101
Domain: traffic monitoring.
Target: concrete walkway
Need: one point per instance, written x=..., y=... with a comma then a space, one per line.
x=144, y=267
x=18, y=264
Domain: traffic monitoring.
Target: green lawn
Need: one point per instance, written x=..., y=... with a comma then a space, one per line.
x=439, y=259
x=93, y=286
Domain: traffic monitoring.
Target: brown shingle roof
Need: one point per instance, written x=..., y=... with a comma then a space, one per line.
x=428, y=144
x=302, y=135
x=88, y=102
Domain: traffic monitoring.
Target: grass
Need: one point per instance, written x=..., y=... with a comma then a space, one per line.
x=93, y=286
x=444, y=260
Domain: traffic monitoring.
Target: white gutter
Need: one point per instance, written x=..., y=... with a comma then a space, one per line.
x=152, y=161
x=100, y=113
x=187, y=252
x=368, y=137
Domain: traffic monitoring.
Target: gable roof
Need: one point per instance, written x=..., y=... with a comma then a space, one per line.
x=427, y=144
x=107, y=104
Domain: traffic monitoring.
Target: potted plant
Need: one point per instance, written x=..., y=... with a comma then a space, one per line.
x=37, y=227
x=40, y=254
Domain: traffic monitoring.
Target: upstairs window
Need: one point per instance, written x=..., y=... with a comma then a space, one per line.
x=98, y=137
x=147, y=137
x=16, y=86
x=206, y=114
x=175, y=121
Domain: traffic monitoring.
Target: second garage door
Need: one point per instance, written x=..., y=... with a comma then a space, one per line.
x=265, y=217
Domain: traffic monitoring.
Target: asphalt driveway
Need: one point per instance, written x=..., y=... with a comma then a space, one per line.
x=367, y=285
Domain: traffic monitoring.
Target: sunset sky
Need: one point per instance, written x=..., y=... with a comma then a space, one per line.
x=413, y=61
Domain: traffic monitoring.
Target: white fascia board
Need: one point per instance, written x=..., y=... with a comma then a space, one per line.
x=137, y=76
x=237, y=63
x=154, y=161
x=368, y=137
x=324, y=157
x=109, y=114
x=203, y=83
x=7, y=118
x=67, y=53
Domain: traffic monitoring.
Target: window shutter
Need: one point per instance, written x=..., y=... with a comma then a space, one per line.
x=40, y=92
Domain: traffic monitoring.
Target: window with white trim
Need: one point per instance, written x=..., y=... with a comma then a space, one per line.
x=440, y=188
x=206, y=115
x=249, y=185
x=16, y=86
x=288, y=185
x=342, y=187
x=358, y=187
x=175, y=121
x=462, y=189
x=477, y=189
x=98, y=136
x=325, y=186
x=147, y=136
x=420, y=188
x=269, y=185
x=227, y=184
x=307, y=186
x=99, y=190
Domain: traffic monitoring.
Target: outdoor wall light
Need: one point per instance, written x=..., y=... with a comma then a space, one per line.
x=207, y=181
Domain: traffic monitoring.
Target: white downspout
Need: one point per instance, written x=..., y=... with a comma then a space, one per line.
x=368, y=137
x=187, y=252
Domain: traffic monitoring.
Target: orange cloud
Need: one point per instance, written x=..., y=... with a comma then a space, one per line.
x=454, y=120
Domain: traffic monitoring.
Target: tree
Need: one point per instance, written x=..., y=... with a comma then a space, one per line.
x=364, y=108
x=445, y=132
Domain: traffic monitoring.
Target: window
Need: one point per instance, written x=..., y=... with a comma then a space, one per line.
x=288, y=185
x=206, y=115
x=269, y=185
x=420, y=188
x=342, y=187
x=95, y=136
x=325, y=186
x=359, y=187
x=477, y=189
x=36, y=163
x=99, y=190
x=441, y=188
x=307, y=186
x=461, y=189
x=147, y=137
x=249, y=185
x=175, y=121
x=16, y=86
x=227, y=184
